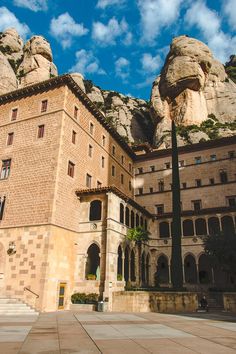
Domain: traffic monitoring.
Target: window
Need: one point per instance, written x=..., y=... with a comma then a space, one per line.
x=113, y=171
x=95, y=212
x=231, y=201
x=161, y=185
x=130, y=167
x=76, y=112
x=184, y=185
x=167, y=165
x=10, y=138
x=90, y=152
x=140, y=170
x=44, y=106
x=122, y=159
x=103, y=161
x=122, y=213
x=223, y=176
x=2, y=205
x=113, y=150
x=71, y=169
x=103, y=140
x=140, y=191
x=150, y=190
x=122, y=178
x=73, y=136
x=130, y=186
x=212, y=181
x=231, y=154
x=14, y=113
x=40, y=131
x=91, y=128
x=213, y=157
x=198, y=182
x=5, y=171
x=88, y=180
x=99, y=184
x=160, y=209
x=152, y=168
x=181, y=163
x=197, y=205
x=198, y=160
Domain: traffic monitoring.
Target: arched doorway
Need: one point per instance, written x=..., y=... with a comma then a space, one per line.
x=2, y=264
x=92, y=271
x=162, y=275
x=119, y=264
x=205, y=270
x=190, y=269
x=214, y=225
x=132, y=266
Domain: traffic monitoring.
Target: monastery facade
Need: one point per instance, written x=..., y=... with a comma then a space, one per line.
x=70, y=188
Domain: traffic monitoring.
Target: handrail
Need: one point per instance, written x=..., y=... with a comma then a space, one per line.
x=37, y=296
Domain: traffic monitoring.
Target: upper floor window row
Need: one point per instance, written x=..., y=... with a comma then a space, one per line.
x=15, y=111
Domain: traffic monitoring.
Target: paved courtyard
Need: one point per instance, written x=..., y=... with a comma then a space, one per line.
x=68, y=332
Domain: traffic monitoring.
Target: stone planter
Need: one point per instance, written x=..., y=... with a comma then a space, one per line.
x=83, y=307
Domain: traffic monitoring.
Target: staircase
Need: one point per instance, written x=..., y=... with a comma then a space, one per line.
x=14, y=307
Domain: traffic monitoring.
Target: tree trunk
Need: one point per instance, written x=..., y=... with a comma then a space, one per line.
x=176, y=254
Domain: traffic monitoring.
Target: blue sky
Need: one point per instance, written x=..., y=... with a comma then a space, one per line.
x=121, y=44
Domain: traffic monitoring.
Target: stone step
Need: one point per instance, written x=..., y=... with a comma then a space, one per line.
x=15, y=307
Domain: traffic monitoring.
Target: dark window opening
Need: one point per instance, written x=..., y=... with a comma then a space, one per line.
x=44, y=106
x=5, y=171
x=76, y=111
x=14, y=113
x=71, y=169
x=164, y=229
x=10, y=138
x=40, y=131
x=184, y=185
x=161, y=186
x=73, y=137
x=198, y=160
x=95, y=212
x=121, y=213
x=113, y=171
x=212, y=181
x=197, y=205
x=88, y=180
x=198, y=182
x=223, y=176
x=160, y=209
x=2, y=205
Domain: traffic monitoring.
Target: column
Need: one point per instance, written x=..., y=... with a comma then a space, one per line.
x=213, y=276
x=194, y=227
x=183, y=272
x=207, y=228
x=197, y=272
x=123, y=266
x=169, y=268
x=219, y=217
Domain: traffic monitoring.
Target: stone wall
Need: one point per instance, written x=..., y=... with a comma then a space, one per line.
x=229, y=302
x=144, y=301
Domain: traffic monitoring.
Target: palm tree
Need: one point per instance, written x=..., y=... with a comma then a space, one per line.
x=176, y=254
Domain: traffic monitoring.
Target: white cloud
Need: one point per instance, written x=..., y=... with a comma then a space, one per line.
x=34, y=5
x=87, y=63
x=122, y=67
x=146, y=83
x=151, y=63
x=107, y=34
x=9, y=20
x=64, y=29
x=156, y=14
x=209, y=24
x=102, y=4
x=229, y=8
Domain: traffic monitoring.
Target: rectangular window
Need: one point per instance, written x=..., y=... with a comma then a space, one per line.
x=5, y=171
x=231, y=154
x=150, y=190
x=113, y=171
x=88, y=180
x=76, y=112
x=10, y=138
x=73, y=137
x=90, y=151
x=71, y=169
x=122, y=178
x=152, y=168
x=40, y=131
x=213, y=157
x=99, y=184
x=103, y=140
x=113, y=150
x=44, y=106
x=161, y=185
x=160, y=209
x=198, y=160
x=130, y=167
x=198, y=182
x=140, y=170
x=91, y=128
x=184, y=185
x=231, y=201
x=223, y=176
x=130, y=186
x=103, y=161
x=167, y=165
x=14, y=113
x=122, y=159
x=197, y=205
x=181, y=163
x=212, y=181
x=2, y=205
x=140, y=191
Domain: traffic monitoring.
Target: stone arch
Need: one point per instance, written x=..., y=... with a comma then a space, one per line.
x=93, y=261
x=143, y=270
x=190, y=269
x=162, y=274
x=188, y=229
x=119, y=263
x=200, y=225
x=214, y=225
x=132, y=266
x=148, y=269
x=127, y=216
x=137, y=220
x=132, y=219
x=205, y=270
x=227, y=225
x=164, y=229
x=122, y=213
x=95, y=210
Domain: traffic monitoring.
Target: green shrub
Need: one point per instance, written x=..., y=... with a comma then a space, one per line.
x=119, y=277
x=82, y=298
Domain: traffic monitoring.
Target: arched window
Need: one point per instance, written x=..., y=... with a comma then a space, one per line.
x=147, y=269
x=164, y=229
x=137, y=220
x=121, y=213
x=132, y=266
x=141, y=221
x=205, y=274
x=126, y=270
x=162, y=274
x=214, y=226
x=95, y=212
x=119, y=264
x=143, y=269
x=188, y=228
x=145, y=224
x=93, y=263
x=227, y=225
x=127, y=216
x=132, y=219
x=190, y=269
x=200, y=225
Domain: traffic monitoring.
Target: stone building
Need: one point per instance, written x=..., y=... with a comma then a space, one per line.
x=70, y=187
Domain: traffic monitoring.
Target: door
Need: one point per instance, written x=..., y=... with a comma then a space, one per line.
x=61, y=298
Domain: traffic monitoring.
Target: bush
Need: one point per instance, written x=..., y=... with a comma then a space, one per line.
x=82, y=298
x=119, y=277
x=91, y=277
